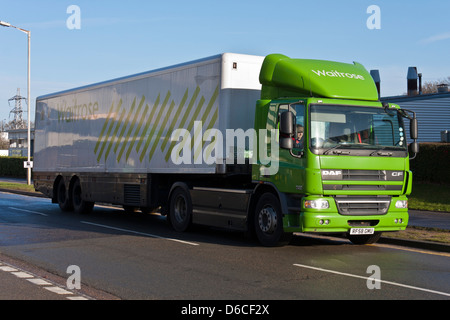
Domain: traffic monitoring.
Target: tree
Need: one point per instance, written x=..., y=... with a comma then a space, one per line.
x=432, y=86
x=4, y=143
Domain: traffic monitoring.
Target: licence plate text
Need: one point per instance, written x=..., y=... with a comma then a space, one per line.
x=362, y=231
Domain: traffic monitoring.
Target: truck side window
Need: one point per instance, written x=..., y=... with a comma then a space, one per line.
x=299, y=112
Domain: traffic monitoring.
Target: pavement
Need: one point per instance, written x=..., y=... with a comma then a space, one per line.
x=417, y=218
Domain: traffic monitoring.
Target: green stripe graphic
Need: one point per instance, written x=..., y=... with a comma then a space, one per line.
x=149, y=122
x=122, y=132
x=183, y=120
x=172, y=125
x=105, y=125
x=108, y=132
x=206, y=114
x=155, y=125
x=161, y=129
x=146, y=128
x=124, y=144
x=119, y=123
x=136, y=132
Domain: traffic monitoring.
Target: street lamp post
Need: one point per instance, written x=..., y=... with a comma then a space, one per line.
x=8, y=25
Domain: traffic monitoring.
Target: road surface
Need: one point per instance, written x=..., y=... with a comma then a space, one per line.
x=138, y=256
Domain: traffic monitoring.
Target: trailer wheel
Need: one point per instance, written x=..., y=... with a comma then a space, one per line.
x=64, y=201
x=80, y=205
x=268, y=222
x=369, y=239
x=180, y=212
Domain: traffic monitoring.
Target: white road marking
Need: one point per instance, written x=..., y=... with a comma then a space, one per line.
x=77, y=298
x=8, y=269
x=40, y=282
x=52, y=287
x=29, y=211
x=22, y=275
x=367, y=278
x=58, y=290
x=140, y=233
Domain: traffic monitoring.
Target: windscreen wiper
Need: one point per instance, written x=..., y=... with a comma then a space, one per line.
x=380, y=152
x=336, y=152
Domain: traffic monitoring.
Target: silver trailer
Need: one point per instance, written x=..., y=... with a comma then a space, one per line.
x=114, y=141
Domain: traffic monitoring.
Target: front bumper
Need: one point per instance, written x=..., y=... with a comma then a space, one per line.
x=331, y=221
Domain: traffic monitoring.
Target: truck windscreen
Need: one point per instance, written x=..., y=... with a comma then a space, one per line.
x=354, y=130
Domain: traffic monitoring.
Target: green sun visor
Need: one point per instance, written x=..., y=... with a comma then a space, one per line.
x=282, y=76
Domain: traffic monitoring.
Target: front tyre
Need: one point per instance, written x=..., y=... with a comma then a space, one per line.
x=268, y=222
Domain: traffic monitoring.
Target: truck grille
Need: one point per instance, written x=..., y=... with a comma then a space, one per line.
x=362, y=206
x=353, y=187
x=363, y=175
x=340, y=180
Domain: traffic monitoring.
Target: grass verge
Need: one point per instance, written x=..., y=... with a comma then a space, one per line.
x=430, y=197
x=17, y=186
x=421, y=234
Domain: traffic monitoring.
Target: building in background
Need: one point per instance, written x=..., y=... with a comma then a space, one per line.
x=18, y=144
x=432, y=110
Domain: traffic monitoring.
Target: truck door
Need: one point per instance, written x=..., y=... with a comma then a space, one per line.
x=292, y=168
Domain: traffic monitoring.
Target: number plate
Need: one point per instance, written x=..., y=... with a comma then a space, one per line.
x=362, y=231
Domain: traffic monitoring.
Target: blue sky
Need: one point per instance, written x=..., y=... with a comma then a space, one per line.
x=119, y=38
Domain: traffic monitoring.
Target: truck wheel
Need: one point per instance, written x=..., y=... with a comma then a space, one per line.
x=64, y=201
x=268, y=222
x=80, y=205
x=180, y=213
x=369, y=239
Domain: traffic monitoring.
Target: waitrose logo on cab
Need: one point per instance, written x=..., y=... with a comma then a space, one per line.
x=337, y=74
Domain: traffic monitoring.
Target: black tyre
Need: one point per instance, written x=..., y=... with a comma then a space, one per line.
x=367, y=239
x=268, y=222
x=64, y=199
x=180, y=213
x=80, y=206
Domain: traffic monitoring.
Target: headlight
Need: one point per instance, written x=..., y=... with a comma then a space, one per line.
x=316, y=204
x=401, y=204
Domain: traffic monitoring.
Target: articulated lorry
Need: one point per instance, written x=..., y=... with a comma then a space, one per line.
x=265, y=145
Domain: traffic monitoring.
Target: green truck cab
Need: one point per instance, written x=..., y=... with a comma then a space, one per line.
x=343, y=159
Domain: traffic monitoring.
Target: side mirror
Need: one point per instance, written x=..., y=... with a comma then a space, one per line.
x=415, y=147
x=287, y=121
x=414, y=129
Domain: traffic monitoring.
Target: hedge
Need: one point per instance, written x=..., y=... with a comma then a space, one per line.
x=13, y=167
x=432, y=163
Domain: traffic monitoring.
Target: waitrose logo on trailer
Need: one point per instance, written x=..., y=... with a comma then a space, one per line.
x=338, y=74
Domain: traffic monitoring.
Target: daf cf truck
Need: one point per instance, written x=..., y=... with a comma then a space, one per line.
x=266, y=145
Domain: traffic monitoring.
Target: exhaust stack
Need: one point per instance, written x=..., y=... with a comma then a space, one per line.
x=412, y=81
